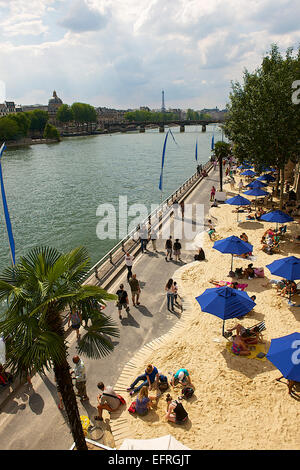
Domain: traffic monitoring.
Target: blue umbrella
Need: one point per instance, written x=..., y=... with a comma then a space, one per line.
x=284, y=353
x=225, y=302
x=256, y=192
x=256, y=184
x=277, y=216
x=248, y=173
x=238, y=201
x=289, y=268
x=266, y=177
x=233, y=245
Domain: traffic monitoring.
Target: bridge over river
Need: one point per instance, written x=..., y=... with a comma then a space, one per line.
x=142, y=126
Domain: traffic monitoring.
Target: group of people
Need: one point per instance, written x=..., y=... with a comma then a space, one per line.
x=244, y=338
x=173, y=249
x=150, y=382
x=270, y=241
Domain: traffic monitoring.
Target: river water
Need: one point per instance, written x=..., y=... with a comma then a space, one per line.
x=53, y=191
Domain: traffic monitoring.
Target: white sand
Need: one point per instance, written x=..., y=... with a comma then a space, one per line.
x=237, y=402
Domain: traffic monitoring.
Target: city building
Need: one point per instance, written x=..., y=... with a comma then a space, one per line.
x=54, y=103
x=33, y=107
x=11, y=107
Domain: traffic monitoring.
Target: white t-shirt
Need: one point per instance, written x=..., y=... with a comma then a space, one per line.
x=129, y=260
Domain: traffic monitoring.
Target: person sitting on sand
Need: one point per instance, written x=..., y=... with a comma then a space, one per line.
x=290, y=289
x=200, y=256
x=175, y=411
x=249, y=272
x=244, y=237
x=239, y=347
x=143, y=402
x=182, y=376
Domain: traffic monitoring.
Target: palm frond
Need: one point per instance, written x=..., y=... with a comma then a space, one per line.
x=95, y=343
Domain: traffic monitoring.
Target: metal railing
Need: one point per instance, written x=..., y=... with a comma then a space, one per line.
x=158, y=214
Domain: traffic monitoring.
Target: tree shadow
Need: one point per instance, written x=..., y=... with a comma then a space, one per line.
x=36, y=403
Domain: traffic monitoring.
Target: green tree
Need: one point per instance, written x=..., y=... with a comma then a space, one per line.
x=38, y=120
x=38, y=290
x=65, y=113
x=51, y=132
x=9, y=129
x=23, y=122
x=263, y=122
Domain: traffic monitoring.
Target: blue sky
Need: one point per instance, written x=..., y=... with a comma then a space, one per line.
x=122, y=53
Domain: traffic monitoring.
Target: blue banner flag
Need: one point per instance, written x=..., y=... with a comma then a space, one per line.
x=6, y=213
x=196, y=150
x=162, y=163
x=213, y=142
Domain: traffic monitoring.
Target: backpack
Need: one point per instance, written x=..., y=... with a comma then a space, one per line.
x=187, y=392
x=132, y=409
x=163, y=383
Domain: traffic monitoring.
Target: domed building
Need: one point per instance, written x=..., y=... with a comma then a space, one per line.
x=54, y=103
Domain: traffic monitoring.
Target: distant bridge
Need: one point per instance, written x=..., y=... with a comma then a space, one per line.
x=141, y=126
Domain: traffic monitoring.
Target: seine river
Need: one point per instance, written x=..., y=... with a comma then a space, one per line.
x=53, y=191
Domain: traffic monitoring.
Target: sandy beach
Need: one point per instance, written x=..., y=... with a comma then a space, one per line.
x=237, y=403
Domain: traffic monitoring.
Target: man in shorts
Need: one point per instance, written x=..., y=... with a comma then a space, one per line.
x=123, y=301
x=169, y=248
x=135, y=289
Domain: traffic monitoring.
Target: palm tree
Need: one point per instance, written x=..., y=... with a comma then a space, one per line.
x=39, y=290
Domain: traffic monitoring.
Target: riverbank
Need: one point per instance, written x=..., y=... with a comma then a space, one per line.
x=237, y=404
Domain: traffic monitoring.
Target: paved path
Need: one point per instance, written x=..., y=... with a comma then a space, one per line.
x=31, y=419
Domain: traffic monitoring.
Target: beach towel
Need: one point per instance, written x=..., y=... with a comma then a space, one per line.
x=255, y=349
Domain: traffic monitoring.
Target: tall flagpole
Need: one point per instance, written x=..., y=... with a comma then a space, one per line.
x=6, y=213
x=160, y=186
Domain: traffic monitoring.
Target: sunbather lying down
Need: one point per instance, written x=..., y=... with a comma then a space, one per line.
x=249, y=335
x=234, y=285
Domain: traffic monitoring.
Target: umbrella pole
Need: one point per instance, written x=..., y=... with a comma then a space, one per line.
x=231, y=262
x=223, y=330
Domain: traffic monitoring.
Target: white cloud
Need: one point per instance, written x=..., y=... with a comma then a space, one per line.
x=122, y=53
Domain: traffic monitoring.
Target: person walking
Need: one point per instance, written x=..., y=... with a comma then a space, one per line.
x=143, y=238
x=153, y=238
x=169, y=248
x=129, y=262
x=177, y=249
x=107, y=400
x=215, y=164
x=135, y=290
x=170, y=294
x=123, y=301
x=240, y=186
x=75, y=321
x=80, y=377
x=212, y=193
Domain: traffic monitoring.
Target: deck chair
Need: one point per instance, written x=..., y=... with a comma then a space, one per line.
x=261, y=326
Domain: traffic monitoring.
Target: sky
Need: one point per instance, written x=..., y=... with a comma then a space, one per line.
x=123, y=53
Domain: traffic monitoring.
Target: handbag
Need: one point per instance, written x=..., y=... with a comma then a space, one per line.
x=132, y=409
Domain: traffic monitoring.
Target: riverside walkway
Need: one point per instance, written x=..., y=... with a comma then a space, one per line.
x=31, y=420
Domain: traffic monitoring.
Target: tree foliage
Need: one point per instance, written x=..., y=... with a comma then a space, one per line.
x=83, y=113
x=51, y=132
x=65, y=113
x=38, y=290
x=263, y=122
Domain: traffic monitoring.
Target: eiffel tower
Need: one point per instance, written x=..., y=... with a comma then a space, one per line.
x=163, y=109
